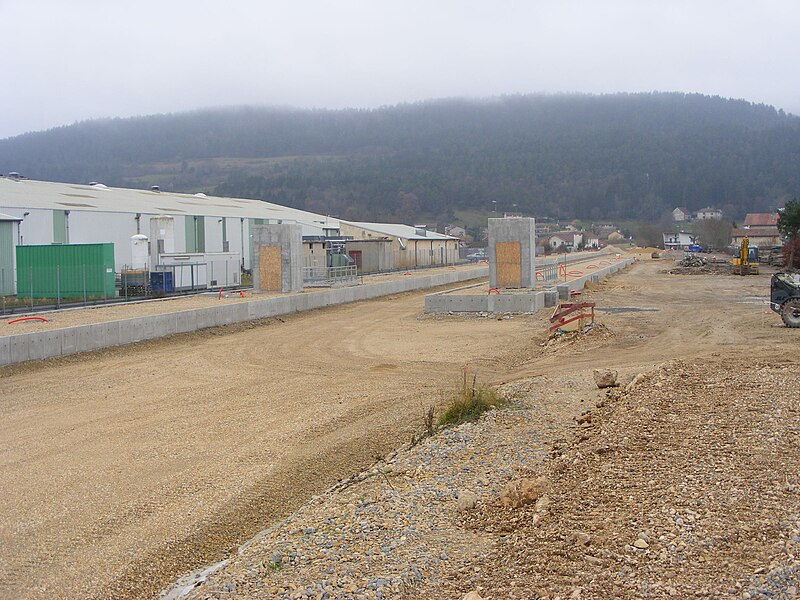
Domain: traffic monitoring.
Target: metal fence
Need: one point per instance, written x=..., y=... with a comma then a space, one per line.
x=330, y=276
x=548, y=272
x=43, y=288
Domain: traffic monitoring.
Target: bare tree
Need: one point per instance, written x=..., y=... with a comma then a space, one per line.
x=648, y=234
x=713, y=232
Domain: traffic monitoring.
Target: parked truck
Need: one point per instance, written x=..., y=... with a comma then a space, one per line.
x=785, y=298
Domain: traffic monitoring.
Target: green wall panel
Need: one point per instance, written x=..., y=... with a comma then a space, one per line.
x=195, y=234
x=66, y=271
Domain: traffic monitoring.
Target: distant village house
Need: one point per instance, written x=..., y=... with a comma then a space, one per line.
x=591, y=240
x=456, y=231
x=709, y=213
x=681, y=214
x=761, y=230
x=571, y=240
x=679, y=240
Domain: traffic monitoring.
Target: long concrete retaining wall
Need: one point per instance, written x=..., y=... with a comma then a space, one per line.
x=84, y=338
x=577, y=284
x=452, y=301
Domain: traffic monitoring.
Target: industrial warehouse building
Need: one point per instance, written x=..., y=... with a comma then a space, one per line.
x=152, y=229
x=385, y=246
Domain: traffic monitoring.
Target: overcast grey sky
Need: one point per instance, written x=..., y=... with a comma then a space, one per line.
x=69, y=60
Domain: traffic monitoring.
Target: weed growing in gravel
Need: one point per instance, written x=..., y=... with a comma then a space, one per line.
x=469, y=401
x=429, y=427
x=428, y=420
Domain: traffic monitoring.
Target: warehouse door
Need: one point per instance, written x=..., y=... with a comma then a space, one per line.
x=357, y=257
x=270, y=271
x=508, y=258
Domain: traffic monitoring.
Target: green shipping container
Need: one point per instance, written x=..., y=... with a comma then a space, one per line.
x=66, y=271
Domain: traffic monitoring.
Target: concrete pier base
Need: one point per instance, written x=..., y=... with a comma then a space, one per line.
x=278, y=254
x=518, y=302
x=512, y=248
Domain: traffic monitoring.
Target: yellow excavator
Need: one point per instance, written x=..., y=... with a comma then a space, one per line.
x=742, y=264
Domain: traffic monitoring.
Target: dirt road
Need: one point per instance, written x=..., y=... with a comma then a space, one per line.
x=125, y=468
x=656, y=317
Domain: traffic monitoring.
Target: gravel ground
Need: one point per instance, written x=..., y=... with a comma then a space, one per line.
x=384, y=532
x=685, y=484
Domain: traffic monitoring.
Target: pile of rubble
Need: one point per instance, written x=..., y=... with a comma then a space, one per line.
x=694, y=264
x=682, y=483
x=593, y=331
x=693, y=260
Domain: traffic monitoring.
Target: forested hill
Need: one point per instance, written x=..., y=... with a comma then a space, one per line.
x=616, y=156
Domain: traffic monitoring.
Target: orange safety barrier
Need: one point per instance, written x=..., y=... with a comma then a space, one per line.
x=483, y=262
x=565, y=314
x=575, y=273
x=493, y=289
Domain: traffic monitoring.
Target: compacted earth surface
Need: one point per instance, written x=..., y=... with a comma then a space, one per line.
x=282, y=448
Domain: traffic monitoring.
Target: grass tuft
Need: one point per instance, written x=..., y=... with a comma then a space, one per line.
x=469, y=401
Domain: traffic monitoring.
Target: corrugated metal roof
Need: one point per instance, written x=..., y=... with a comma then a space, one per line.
x=29, y=193
x=398, y=230
x=65, y=196
x=761, y=219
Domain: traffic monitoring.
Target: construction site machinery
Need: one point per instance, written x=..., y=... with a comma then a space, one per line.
x=784, y=298
x=742, y=264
